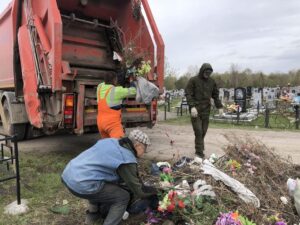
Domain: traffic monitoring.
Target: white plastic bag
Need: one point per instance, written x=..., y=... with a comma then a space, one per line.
x=294, y=191
x=244, y=193
x=146, y=90
x=297, y=197
x=202, y=189
x=183, y=188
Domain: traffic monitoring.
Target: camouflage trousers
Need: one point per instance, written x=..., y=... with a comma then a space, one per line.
x=200, y=126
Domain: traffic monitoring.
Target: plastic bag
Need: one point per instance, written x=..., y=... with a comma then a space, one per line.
x=146, y=90
x=294, y=191
x=202, y=189
x=244, y=193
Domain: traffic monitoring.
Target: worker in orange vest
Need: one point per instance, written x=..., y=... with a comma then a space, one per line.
x=109, y=98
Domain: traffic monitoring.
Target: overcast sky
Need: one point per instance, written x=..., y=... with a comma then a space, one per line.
x=262, y=35
x=3, y=4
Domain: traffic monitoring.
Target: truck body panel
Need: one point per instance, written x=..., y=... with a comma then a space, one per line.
x=6, y=45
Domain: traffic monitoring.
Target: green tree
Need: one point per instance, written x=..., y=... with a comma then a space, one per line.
x=182, y=82
x=170, y=82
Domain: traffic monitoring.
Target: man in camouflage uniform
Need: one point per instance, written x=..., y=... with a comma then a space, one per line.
x=199, y=91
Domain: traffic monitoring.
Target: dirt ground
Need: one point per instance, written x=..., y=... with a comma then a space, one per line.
x=285, y=143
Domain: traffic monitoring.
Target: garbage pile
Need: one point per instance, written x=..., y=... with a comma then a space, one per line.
x=246, y=186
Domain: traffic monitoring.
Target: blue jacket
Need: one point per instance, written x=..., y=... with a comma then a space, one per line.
x=87, y=173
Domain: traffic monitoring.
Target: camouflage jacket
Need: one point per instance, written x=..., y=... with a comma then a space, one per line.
x=199, y=92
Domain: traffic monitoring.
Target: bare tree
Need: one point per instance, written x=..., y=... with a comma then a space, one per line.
x=170, y=75
x=234, y=75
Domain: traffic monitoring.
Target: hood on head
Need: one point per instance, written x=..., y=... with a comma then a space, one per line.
x=205, y=66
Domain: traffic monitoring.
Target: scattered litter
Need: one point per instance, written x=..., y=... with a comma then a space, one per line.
x=183, y=185
x=291, y=185
x=125, y=215
x=297, y=196
x=182, y=162
x=213, y=158
x=198, y=160
x=65, y=202
x=155, y=169
x=294, y=192
x=284, y=200
x=192, y=186
x=64, y=209
x=161, y=165
x=183, y=188
x=205, y=190
x=198, y=184
x=117, y=57
x=244, y=193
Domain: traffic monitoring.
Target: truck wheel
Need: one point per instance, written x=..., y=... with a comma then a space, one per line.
x=32, y=132
x=8, y=127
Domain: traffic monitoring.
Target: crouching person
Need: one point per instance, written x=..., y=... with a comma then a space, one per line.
x=99, y=173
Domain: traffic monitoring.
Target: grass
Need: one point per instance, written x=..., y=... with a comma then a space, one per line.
x=42, y=187
x=277, y=123
x=50, y=202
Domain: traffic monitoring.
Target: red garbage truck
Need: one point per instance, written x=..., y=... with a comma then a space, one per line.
x=54, y=53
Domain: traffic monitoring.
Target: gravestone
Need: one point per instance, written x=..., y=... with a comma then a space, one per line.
x=240, y=97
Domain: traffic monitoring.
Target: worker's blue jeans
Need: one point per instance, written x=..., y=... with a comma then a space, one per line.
x=114, y=198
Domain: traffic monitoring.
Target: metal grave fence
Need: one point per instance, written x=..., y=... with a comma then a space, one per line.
x=9, y=162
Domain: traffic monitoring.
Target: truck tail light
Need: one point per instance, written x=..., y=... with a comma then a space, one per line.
x=154, y=110
x=69, y=110
x=69, y=100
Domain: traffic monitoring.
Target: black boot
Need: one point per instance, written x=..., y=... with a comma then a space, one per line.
x=92, y=217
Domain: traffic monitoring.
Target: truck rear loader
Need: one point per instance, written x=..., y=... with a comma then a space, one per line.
x=54, y=53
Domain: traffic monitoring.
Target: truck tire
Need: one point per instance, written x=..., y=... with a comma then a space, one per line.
x=32, y=132
x=9, y=128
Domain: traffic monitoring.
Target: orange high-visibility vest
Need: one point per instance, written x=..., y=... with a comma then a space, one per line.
x=108, y=120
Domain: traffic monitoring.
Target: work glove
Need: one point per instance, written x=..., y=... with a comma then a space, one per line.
x=194, y=112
